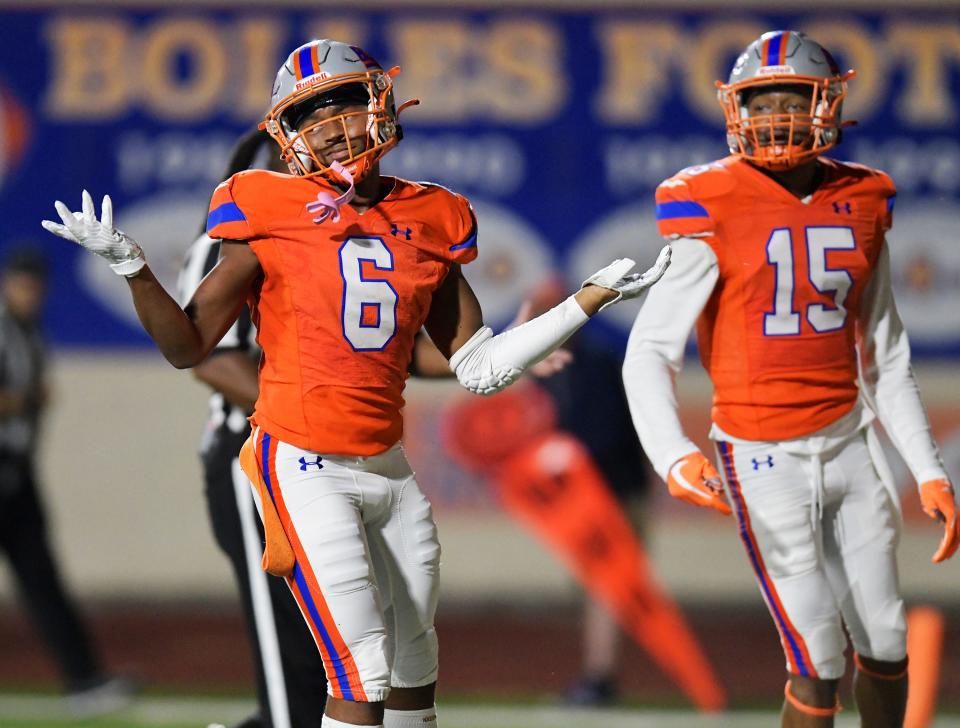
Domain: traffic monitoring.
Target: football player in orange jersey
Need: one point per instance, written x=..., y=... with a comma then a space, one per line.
x=780, y=261
x=341, y=268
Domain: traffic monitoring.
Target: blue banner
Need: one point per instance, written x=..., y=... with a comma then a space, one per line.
x=557, y=125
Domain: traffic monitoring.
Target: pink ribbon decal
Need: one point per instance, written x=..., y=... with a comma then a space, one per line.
x=326, y=204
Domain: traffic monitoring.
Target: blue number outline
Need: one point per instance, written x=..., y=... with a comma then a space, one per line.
x=364, y=279
x=776, y=283
x=831, y=292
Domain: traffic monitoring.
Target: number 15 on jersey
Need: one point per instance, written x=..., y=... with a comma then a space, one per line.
x=784, y=318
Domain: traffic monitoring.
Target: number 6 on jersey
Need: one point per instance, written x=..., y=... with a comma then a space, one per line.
x=369, y=309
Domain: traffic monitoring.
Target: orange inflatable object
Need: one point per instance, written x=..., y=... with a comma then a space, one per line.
x=482, y=432
x=547, y=480
x=925, y=627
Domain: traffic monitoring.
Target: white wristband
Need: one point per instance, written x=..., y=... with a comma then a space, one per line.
x=129, y=268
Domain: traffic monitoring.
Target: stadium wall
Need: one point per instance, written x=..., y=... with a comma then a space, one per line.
x=124, y=489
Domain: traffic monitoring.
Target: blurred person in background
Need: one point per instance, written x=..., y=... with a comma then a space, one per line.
x=590, y=403
x=345, y=521
x=592, y=406
x=780, y=259
x=24, y=535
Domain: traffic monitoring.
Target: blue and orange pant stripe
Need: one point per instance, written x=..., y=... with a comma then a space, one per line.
x=793, y=643
x=343, y=674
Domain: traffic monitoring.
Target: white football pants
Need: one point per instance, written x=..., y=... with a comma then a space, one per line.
x=367, y=563
x=821, y=533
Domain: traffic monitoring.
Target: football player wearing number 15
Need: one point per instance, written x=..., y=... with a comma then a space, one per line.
x=341, y=267
x=780, y=261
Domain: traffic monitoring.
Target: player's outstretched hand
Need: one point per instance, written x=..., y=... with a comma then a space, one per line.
x=939, y=502
x=122, y=252
x=617, y=277
x=694, y=479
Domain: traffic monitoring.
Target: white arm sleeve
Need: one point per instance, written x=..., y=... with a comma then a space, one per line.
x=655, y=350
x=486, y=363
x=887, y=379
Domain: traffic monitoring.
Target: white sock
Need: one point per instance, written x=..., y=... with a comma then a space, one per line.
x=426, y=718
x=329, y=722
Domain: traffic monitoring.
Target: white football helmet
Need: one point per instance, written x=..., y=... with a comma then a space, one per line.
x=324, y=72
x=784, y=58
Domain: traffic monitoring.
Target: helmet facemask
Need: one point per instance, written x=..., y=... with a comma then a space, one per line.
x=369, y=95
x=783, y=141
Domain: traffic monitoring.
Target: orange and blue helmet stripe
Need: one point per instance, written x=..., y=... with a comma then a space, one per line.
x=774, y=51
x=305, y=61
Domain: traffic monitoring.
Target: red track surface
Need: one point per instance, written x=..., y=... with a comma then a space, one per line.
x=494, y=651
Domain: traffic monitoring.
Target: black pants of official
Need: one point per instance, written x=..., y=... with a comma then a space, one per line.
x=300, y=662
x=24, y=539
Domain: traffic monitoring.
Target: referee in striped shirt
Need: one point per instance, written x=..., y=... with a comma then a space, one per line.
x=291, y=683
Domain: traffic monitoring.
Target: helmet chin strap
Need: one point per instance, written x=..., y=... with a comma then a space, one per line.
x=326, y=204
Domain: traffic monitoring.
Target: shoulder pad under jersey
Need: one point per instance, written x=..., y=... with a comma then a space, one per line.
x=236, y=203
x=871, y=183
x=448, y=216
x=681, y=200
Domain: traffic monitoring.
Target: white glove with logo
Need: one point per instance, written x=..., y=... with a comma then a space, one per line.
x=615, y=277
x=123, y=253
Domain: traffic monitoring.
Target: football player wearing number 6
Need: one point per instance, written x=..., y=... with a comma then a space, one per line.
x=341, y=267
x=779, y=259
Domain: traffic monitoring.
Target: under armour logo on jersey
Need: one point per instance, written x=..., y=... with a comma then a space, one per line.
x=397, y=232
x=768, y=463
x=839, y=207
x=304, y=463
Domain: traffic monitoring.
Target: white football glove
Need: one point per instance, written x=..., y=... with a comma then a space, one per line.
x=615, y=277
x=122, y=252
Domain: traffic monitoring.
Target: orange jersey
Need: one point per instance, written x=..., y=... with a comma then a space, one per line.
x=340, y=303
x=778, y=333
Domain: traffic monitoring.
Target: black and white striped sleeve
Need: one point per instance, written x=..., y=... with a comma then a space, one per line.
x=200, y=259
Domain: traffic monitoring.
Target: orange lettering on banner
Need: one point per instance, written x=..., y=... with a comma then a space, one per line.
x=710, y=57
x=434, y=56
x=855, y=47
x=261, y=43
x=88, y=66
x=637, y=58
x=166, y=94
x=926, y=50
x=549, y=483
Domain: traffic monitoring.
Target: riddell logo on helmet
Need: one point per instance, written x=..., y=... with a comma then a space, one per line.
x=773, y=70
x=315, y=78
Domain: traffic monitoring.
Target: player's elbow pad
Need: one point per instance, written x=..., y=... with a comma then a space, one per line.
x=486, y=363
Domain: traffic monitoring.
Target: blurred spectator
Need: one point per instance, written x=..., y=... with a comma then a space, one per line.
x=587, y=391
x=592, y=406
x=23, y=524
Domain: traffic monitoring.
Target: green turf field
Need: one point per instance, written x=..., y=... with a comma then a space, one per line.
x=24, y=711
